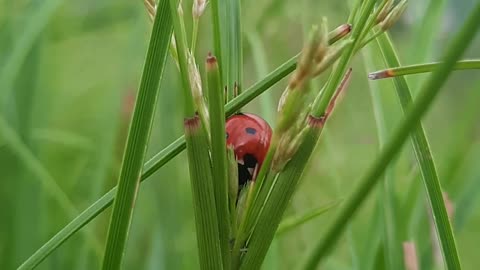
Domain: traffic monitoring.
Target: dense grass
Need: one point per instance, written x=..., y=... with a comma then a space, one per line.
x=67, y=88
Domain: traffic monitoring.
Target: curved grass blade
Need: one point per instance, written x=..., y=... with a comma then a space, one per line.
x=420, y=68
x=219, y=155
x=291, y=223
x=425, y=98
x=138, y=136
x=424, y=158
x=38, y=20
x=386, y=194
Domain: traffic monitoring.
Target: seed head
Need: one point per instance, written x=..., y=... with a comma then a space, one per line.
x=198, y=8
x=393, y=16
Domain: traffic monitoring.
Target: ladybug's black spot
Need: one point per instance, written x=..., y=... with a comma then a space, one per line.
x=250, y=130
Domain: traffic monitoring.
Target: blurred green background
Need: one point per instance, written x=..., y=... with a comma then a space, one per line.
x=69, y=71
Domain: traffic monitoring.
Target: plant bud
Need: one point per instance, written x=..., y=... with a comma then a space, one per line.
x=151, y=8
x=323, y=43
x=198, y=8
x=393, y=16
x=197, y=93
x=339, y=32
x=333, y=54
x=384, y=12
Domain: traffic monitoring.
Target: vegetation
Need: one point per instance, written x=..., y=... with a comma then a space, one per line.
x=93, y=96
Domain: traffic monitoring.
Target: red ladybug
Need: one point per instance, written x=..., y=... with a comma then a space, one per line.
x=250, y=137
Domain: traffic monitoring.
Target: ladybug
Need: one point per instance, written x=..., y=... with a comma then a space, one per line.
x=250, y=137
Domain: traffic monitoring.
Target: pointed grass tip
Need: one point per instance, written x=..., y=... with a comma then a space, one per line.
x=211, y=61
x=382, y=74
x=340, y=32
x=192, y=124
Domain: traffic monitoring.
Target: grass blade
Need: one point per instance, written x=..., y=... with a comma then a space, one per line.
x=38, y=20
x=137, y=140
x=421, y=68
x=386, y=195
x=206, y=223
x=199, y=161
x=424, y=158
x=220, y=39
x=425, y=98
x=235, y=51
x=291, y=223
x=219, y=155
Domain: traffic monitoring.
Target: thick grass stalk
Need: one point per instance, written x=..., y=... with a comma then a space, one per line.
x=425, y=161
x=235, y=48
x=137, y=141
x=425, y=98
x=220, y=37
x=206, y=222
x=219, y=155
x=280, y=192
x=386, y=199
x=276, y=204
x=164, y=156
x=421, y=68
x=206, y=219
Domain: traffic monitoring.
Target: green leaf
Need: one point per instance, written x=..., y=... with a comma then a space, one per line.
x=389, y=221
x=425, y=160
x=294, y=222
x=219, y=155
x=206, y=221
x=138, y=136
x=420, y=68
x=38, y=20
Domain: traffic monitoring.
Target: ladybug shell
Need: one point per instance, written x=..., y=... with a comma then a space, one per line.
x=250, y=137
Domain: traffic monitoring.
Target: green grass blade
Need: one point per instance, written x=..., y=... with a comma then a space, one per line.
x=426, y=30
x=235, y=48
x=425, y=160
x=272, y=213
x=137, y=140
x=421, y=68
x=261, y=66
x=220, y=39
x=13, y=141
x=38, y=20
x=219, y=155
x=88, y=215
x=206, y=222
x=199, y=162
x=386, y=195
x=291, y=223
x=425, y=98
x=339, y=71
